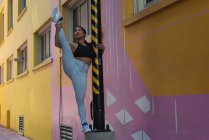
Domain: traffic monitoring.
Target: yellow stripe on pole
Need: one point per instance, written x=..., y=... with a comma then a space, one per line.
x=95, y=1
x=94, y=8
x=94, y=29
x=95, y=91
x=94, y=18
x=95, y=81
x=95, y=70
x=94, y=39
x=96, y=61
x=95, y=50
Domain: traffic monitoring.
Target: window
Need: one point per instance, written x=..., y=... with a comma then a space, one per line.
x=22, y=59
x=143, y=8
x=139, y=5
x=42, y=47
x=79, y=13
x=1, y=27
x=21, y=6
x=10, y=15
x=9, y=68
x=1, y=74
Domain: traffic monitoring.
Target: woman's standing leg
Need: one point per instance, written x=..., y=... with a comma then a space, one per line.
x=80, y=85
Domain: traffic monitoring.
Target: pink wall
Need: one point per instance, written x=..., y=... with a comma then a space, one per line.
x=130, y=109
x=142, y=116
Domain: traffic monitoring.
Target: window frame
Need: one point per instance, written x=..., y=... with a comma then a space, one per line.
x=21, y=11
x=19, y=6
x=38, y=48
x=22, y=66
x=2, y=17
x=152, y=8
x=10, y=68
x=10, y=16
x=69, y=18
x=140, y=5
x=1, y=74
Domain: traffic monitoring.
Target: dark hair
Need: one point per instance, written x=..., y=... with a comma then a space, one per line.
x=84, y=33
x=82, y=29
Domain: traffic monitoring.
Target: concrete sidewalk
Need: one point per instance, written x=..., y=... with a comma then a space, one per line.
x=7, y=134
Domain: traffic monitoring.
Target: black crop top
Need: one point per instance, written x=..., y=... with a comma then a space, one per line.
x=84, y=51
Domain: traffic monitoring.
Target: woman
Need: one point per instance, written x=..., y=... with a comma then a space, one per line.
x=76, y=59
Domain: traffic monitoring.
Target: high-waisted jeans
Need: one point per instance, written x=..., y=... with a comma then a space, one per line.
x=77, y=71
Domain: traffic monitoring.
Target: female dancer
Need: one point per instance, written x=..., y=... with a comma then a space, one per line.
x=76, y=59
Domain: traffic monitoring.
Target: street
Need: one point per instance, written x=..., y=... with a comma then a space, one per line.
x=7, y=134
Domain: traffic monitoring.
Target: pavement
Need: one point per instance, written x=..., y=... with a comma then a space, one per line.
x=8, y=134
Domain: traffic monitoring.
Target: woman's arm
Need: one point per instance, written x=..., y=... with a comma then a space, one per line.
x=58, y=26
x=73, y=46
x=102, y=47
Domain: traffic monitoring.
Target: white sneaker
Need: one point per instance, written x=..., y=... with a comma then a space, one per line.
x=56, y=16
x=86, y=128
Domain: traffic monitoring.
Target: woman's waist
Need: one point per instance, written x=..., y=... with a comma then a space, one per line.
x=85, y=60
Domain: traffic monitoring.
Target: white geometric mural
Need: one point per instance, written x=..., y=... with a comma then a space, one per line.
x=110, y=98
x=124, y=117
x=143, y=103
x=145, y=136
x=140, y=135
x=137, y=135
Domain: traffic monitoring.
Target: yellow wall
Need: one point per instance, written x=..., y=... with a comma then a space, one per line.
x=169, y=48
x=29, y=95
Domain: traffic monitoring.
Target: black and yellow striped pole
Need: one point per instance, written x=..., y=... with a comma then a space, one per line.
x=97, y=69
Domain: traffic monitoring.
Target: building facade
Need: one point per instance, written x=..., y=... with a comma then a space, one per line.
x=26, y=67
x=155, y=68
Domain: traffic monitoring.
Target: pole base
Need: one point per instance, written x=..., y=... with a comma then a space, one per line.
x=100, y=135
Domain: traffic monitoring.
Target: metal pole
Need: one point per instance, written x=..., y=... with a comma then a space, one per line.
x=60, y=67
x=97, y=69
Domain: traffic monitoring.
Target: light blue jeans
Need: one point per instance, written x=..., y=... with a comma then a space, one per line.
x=77, y=71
